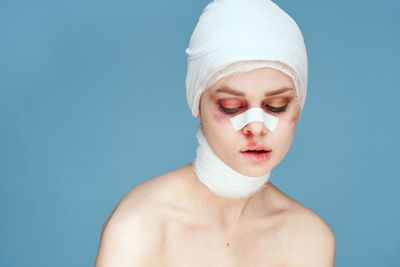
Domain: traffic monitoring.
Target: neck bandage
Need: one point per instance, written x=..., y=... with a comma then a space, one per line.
x=219, y=177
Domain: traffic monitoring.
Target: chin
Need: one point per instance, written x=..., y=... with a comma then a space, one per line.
x=253, y=171
x=249, y=168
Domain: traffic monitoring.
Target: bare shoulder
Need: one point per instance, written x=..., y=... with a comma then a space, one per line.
x=133, y=233
x=311, y=241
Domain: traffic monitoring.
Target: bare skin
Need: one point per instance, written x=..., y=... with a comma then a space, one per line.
x=175, y=220
x=168, y=221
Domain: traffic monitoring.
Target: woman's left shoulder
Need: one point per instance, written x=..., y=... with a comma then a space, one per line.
x=310, y=226
x=305, y=221
x=311, y=239
x=314, y=242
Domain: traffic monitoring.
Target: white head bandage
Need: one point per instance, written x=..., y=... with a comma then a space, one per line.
x=254, y=114
x=241, y=35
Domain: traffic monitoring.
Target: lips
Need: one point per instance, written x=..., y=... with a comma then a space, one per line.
x=256, y=152
x=256, y=148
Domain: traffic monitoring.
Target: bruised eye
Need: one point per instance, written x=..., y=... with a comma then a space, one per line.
x=230, y=106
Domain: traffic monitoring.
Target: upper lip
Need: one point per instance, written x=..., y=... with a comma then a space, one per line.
x=257, y=147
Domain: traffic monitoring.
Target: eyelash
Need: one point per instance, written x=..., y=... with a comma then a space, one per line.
x=277, y=109
x=231, y=111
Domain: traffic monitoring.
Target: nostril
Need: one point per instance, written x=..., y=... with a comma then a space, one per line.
x=255, y=127
x=247, y=132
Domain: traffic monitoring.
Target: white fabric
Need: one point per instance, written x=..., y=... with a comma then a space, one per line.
x=254, y=114
x=240, y=35
x=219, y=177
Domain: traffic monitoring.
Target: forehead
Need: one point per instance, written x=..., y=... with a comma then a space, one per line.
x=257, y=81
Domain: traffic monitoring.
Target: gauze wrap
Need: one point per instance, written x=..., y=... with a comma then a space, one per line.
x=238, y=36
x=241, y=35
x=219, y=177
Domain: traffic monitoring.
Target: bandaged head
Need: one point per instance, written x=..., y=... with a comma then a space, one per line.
x=238, y=36
x=241, y=35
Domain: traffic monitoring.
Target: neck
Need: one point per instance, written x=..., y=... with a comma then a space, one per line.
x=222, y=210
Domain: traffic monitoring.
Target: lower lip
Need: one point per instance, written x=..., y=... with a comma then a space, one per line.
x=257, y=156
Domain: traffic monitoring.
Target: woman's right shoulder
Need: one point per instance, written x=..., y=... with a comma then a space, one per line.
x=135, y=225
x=153, y=193
x=145, y=201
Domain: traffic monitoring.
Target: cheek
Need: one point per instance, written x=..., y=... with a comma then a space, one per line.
x=290, y=124
x=219, y=118
x=293, y=119
x=287, y=126
x=215, y=118
x=296, y=114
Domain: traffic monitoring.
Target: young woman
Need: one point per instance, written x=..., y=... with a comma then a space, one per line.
x=246, y=83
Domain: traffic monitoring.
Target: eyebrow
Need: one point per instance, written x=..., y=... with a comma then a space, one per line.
x=228, y=90
x=279, y=91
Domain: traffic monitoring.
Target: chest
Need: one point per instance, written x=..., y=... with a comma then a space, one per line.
x=199, y=246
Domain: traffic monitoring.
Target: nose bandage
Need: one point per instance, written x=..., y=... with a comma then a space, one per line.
x=254, y=114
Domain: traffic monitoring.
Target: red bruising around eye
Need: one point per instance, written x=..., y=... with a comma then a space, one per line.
x=216, y=114
x=219, y=117
x=294, y=118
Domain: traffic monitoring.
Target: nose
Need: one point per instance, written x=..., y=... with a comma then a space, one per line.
x=255, y=128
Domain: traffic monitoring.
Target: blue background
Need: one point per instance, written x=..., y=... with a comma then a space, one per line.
x=92, y=102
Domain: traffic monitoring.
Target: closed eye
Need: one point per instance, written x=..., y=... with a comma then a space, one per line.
x=276, y=109
x=229, y=111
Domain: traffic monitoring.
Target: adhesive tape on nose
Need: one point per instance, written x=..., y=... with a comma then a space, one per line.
x=254, y=114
